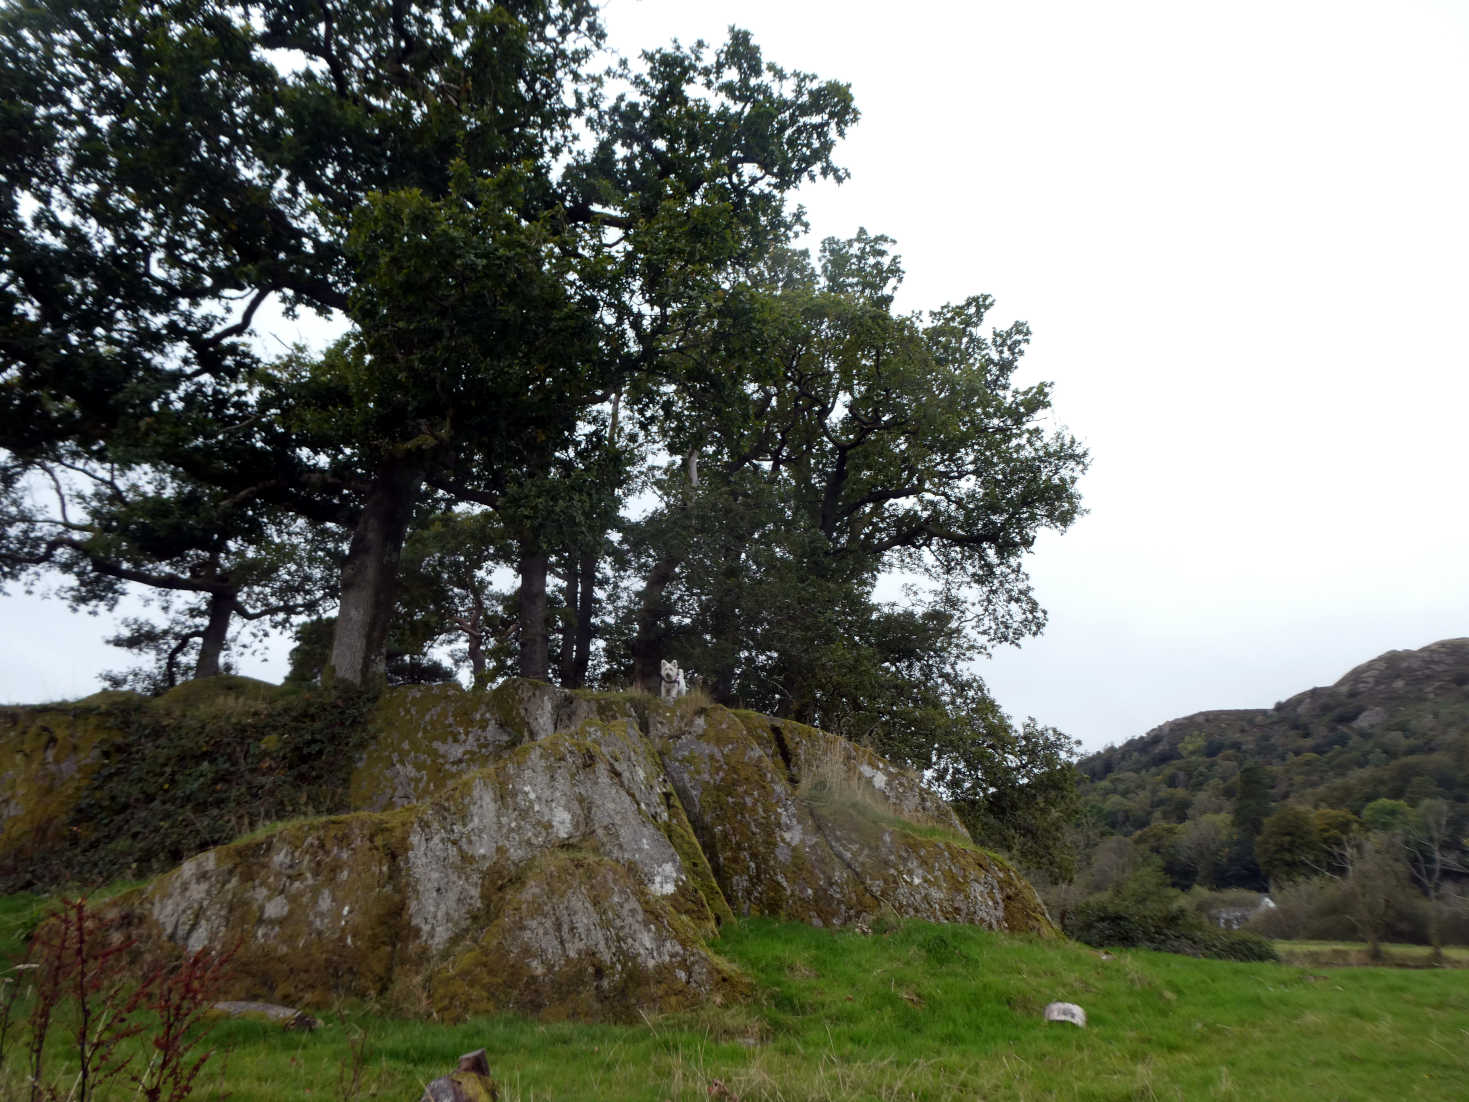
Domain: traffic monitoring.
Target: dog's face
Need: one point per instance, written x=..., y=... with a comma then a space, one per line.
x=670, y=670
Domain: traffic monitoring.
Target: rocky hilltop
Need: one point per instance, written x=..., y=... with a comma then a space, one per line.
x=1396, y=726
x=565, y=854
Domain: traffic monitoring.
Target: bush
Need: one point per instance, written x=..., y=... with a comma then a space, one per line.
x=1306, y=910
x=78, y=963
x=1102, y=922
x=1145, y=913
x=1319, y=909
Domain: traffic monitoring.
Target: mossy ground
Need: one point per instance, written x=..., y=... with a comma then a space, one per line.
x=120, y=785
x=914, y=1012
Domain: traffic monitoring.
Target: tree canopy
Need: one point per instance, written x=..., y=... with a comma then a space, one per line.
x=568, y=288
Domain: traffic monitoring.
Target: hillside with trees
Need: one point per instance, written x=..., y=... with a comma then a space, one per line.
x=1349, y=802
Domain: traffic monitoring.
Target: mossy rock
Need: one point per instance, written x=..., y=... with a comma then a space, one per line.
x=598, y=788
x=48, y=755
x=815, y=760
x=764, y=846
x=314, y=910
x=571, y=855
x=423, y=738
x=802, y=824
x=397, y=903
x=581, y=936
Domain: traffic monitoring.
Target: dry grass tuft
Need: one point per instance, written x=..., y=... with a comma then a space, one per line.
x=833, y=779
x=693, y=702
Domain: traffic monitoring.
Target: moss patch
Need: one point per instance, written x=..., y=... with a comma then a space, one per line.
x=133, y=786
x=48, y=758
x=315, y=909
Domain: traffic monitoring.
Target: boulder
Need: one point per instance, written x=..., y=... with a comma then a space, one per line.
x=803, y=824
x=287, y=1017
x=469, y=1082
x=572, y=855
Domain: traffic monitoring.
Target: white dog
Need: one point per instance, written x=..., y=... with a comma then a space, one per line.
x=674, y=685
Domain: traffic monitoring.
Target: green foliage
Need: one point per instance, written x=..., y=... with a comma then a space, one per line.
x=1144, y=912
x=404, y=663
x=1335, y=828
x=1015, y=790
x=1387, y=816
x=197, y=768
x=510, y=244
x=1252, y=803
x=837, y=439
x=1375, y=884
x=1289, y=845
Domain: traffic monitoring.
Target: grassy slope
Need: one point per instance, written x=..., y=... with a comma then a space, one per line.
x=926, y=1012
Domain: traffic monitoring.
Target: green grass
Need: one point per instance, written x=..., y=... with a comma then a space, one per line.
x=921, y=1012
x=1315, y=954
x=19, y=914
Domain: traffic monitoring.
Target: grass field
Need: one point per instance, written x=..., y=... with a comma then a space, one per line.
x=915, y=1012
x=1315, y=954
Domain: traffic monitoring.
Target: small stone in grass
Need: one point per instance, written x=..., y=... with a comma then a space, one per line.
x=1066, y=1012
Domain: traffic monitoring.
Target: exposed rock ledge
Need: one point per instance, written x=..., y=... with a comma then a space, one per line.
x=573, y=855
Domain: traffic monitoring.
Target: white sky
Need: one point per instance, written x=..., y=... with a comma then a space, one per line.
x=1240, y=232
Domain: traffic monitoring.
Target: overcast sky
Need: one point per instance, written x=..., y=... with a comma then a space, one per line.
x=1240, y=233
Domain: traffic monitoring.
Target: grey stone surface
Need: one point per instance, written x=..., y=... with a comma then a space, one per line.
x=578, y=863
x=1066, y=1012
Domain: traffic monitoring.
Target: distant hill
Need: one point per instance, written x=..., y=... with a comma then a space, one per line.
x=1395, y=727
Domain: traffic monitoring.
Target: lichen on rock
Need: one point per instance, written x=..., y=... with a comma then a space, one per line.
x=427, y=736
x=47, y=757
x=573, y=855
x=581, y=936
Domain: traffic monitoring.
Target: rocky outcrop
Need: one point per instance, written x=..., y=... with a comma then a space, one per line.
x=572, y=855
x=469, y=1082
x=47, y=757
x=1439, y=671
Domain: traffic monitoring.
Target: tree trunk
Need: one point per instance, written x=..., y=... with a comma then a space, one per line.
x=474, y=633
x=724, y=627
x=585, y=607
x=534, y=656
x=221, y=608
x=370, y=574
x=650, y=637
x=566, y=666
x=647, y=644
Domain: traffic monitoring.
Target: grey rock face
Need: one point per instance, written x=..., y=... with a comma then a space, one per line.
x=573, y=855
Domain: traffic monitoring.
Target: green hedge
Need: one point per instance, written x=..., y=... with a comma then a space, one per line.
x=1171, y=928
